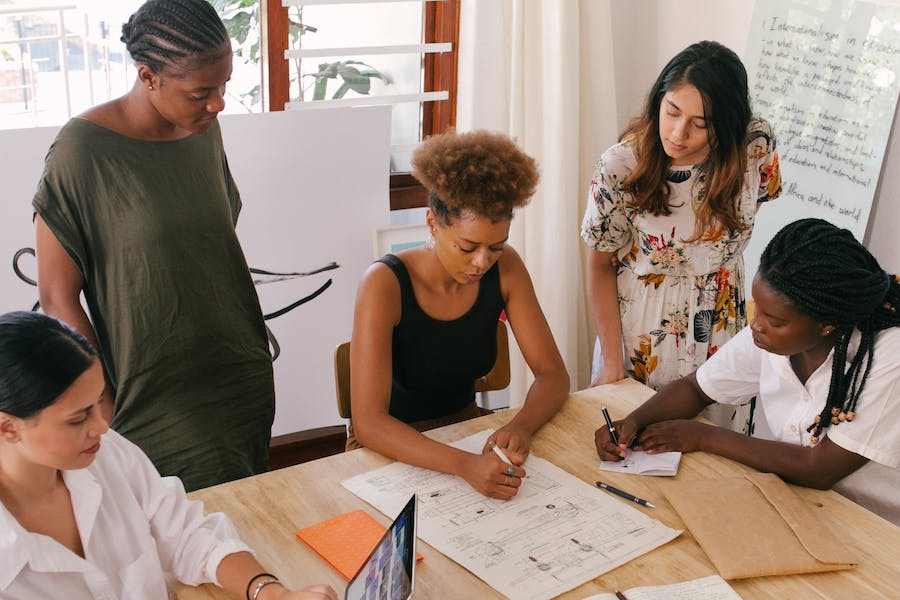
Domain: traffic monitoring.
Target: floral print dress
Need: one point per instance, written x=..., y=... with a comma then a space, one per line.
x=679, y=301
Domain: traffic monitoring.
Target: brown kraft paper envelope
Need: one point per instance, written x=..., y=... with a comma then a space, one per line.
x=754, y=526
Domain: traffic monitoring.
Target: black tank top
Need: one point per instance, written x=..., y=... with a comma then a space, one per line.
x=436, y=363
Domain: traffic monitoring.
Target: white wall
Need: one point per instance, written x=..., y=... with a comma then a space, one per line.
x=649, y=32
x=314, y=185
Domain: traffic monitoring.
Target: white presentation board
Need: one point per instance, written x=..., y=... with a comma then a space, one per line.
x=825, y=74
x=314, y=186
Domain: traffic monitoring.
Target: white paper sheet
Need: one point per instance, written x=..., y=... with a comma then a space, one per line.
x=706, y=588
x=555, y=534
x=638, y=462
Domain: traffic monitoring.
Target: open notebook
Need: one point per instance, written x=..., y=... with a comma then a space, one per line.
x=641, y=463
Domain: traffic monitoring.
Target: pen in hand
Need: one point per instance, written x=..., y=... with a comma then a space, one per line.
x=626, y=495
x=610, y=426
x=501, y=454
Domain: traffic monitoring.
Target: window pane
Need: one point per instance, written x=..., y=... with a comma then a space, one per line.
x=357, y=25
x=59, y=61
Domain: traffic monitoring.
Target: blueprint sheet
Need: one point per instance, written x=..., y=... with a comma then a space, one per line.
x=555, y=534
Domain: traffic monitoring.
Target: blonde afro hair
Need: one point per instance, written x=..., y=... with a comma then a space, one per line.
x=480, y=171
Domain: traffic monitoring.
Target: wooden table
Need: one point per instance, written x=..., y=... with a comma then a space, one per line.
x=268, y=508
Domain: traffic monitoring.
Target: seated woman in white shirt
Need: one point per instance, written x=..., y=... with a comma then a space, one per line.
x=83, y=512
x=822, y=358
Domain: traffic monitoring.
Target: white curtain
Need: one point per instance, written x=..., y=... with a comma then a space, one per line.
x=542, y=72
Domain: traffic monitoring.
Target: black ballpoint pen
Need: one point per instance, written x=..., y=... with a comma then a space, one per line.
x=610, y=426
x=626, y=495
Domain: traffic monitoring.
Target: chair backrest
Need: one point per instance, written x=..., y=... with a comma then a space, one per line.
x=342, y=378
x=496, y=379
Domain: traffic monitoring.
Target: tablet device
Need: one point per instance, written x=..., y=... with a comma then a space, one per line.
x=389, y=571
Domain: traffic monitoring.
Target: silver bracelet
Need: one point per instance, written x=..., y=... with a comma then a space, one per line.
x=260, y=585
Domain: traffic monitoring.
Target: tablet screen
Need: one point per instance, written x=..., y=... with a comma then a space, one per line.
x=389, y=572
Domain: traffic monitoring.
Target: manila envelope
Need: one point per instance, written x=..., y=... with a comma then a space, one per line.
x=755, y=525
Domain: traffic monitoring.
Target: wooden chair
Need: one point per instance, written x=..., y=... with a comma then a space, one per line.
x=496, y=379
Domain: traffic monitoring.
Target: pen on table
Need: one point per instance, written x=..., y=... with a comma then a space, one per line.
x=625, y=495
x=620, y=595
x=609, y=424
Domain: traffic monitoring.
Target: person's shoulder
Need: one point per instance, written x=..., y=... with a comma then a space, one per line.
x=760, y=129
x=760, y=139
x=511, y=266
x=77, y=136
x=618, y=157
x=379, y=278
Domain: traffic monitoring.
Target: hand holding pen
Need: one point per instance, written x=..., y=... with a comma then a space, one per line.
x=513, y=440
x=609, y=426
x=612, y=438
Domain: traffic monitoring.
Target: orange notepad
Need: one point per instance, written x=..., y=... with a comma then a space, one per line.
x=345, y=541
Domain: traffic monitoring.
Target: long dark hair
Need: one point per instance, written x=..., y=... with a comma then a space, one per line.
x=828, y=275
x=175, y=34
x=721, y=79
x=40, y=357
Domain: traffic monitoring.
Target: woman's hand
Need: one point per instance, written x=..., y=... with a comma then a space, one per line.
x=626, y=430
x=491, y=477
x=675, y=436
x=513, y=440
x=315, y=592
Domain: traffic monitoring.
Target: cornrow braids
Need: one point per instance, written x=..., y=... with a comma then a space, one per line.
x=827, y=274
x=163, y=33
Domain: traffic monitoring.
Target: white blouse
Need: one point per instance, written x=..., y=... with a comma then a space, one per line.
x=134, y=526
x=786, y=407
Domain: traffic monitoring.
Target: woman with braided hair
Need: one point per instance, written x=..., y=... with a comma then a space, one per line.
x=822, y=357
x=137, y=209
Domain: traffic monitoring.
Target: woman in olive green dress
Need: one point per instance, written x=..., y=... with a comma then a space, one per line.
x=137, y=209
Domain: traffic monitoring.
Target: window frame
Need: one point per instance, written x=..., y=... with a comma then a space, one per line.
x=439, y=73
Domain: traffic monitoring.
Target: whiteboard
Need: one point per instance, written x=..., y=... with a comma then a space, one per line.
x=825, y=74
x=314, y=185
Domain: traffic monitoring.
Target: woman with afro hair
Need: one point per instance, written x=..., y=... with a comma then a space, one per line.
x=426, y=318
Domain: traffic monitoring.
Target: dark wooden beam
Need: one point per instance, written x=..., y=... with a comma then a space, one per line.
x=295, y=448
x=276, y=29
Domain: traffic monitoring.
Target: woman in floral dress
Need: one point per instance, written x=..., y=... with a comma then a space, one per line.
x=674, y=203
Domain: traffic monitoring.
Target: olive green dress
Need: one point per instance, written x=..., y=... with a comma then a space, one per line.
x=150, y=225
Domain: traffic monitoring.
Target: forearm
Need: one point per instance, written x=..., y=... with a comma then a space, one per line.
x=603, y=300
x=545, y=397
x=391, y=437
x=793, y=463
x=818, y=467
x=235, y=572
x=681, y=399
x=72, y=313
